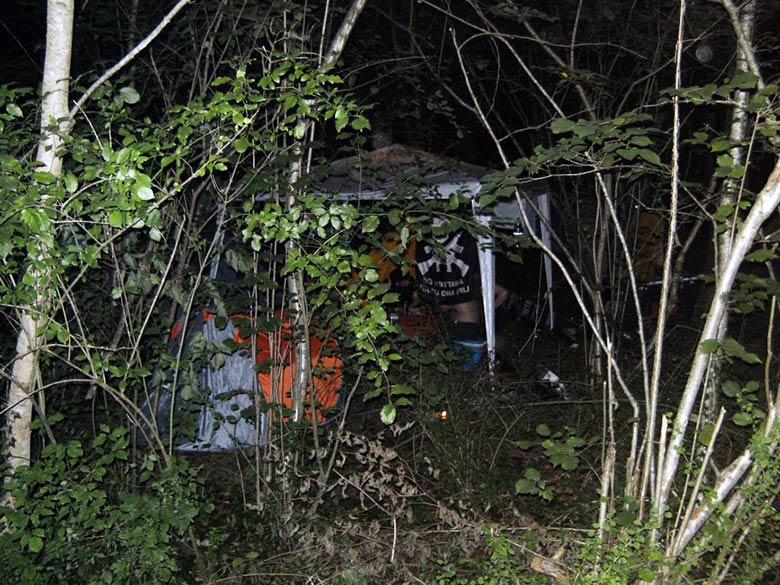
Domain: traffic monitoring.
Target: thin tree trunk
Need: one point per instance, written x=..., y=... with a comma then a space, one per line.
x=54, y=113
x=730, y=195
x=298, y=312
x=766, y=203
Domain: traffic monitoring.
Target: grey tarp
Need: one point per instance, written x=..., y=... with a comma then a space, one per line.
x=228, y=390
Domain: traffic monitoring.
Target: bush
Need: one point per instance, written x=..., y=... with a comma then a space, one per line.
x=75, y=522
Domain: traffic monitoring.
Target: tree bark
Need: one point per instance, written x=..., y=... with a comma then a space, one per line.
x=298, y=312
x=54, y=115
x=766, y=203
x=730, y=195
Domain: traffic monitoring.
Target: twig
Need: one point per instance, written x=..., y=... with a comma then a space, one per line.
x=127, y=58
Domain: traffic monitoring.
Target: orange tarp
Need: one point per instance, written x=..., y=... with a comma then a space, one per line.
x=276, y=350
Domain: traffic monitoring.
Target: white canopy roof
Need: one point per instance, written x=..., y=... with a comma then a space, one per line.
x=396, y=168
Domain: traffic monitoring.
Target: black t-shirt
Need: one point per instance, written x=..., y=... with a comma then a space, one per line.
x=448, y=271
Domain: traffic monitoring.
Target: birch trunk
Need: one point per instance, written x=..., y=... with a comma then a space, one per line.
x=766, y=203
x=738, y=133
x=298, y=312
x=54, y=114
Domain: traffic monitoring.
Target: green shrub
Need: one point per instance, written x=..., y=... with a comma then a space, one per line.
x=75, y=521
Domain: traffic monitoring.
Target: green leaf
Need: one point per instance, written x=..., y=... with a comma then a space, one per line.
x=640, y=140
x=241, y=145
x=71, y=183
x=731, y=388
x=724, y=212
x=725, y=161
x=543, y=430
x=532, y=474
x=705, y=437
x=371, y=224
x=761, y=255
x=144, y=193
x=565, y=461
x=742, y=419
x=401, y=389
x=731, y=347
x=388, y=414
x=129, y=95
x=744, y=80
x=361, y=123
x=709, y=346
x=35, y=544
x=13, y=110
x=115, y=219
x=646, y=575
x=720, y=145
x=525, y=486
x=561, y=125
x=44, y=178
x=341, y=118
x=371, y=275
x=650, y=156
x=750, y=358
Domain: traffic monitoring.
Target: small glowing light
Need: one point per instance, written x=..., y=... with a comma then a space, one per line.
x=443, y=415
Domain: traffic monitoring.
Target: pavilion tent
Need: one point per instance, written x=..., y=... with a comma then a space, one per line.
x=375, y=175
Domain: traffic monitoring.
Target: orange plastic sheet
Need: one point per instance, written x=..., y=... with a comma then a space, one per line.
x=276, y=353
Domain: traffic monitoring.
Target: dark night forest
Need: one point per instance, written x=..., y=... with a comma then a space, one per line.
x=355, y=292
